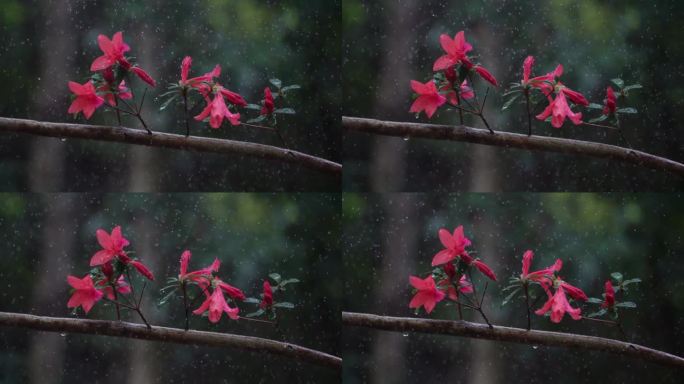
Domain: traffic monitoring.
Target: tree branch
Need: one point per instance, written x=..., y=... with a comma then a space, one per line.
x=167, y=140
x=168, y=335
x=511, y=140
x=515, y=335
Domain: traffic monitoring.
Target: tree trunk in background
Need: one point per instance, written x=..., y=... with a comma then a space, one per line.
x=47, y=348
x=486, y=362
x=142, y=160
x=45, y=172
x=388, y=163
x=483, y=171
x=143, y=364
x=45, y=169
x=400, y=243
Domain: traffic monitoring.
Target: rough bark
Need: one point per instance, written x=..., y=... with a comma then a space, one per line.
x=168, y=335
x=512, y=140
x=167, y=140
x=508, y=334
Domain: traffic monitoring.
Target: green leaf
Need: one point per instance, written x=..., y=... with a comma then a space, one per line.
x=166, y=298
x=510, y=287
x=256, y=119
x=509, y=297
x=617, y=276
x=594, y=300
x=598, y=119
x=252, y=300
x=288, y=281
x=633, y=86
x=598, y=313
x=276, y=83
x=595, y=106
x=254, y=106
x=290, y=88
x=631, y=281
x=626, y=304
x=167, y=103
x=285, y=111
x=509, y=102
x=618, y=82
x=511, y=91
x=168, y=93
x=284, y=304
x=275, y=276
x=255, y=313
x=627, y=110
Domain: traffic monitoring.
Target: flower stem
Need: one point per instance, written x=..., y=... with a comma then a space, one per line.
x=529, y=133
x=185, y=304
x=118, y=114
x=527, y=302
x=118, y=310
x=187, y=133
x=457, y=90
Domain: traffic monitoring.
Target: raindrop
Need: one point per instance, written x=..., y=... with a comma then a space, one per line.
x=62, y=334
x=535, y=346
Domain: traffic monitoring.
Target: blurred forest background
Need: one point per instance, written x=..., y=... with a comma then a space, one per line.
x=389, y=42
x=388, y=237
x=48, y=237
x=46, y=43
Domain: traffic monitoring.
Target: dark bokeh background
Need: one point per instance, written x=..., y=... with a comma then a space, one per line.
x=387, y=43
x=46, y=43
x=388, y=237
x=48, y=237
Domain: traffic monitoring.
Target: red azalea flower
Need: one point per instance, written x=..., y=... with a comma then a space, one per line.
x=85, y=294
x=484, y=268
x=233, y=98
x=464, y=286
x=609, y=300
x=611, y=105
x=543, y=276
x=113, y=51
x=233, y=292
x=185, y=69
x=454, y=246
x=428, y=99
x=86, y=101
x=574, y=96
x=217, y=110
x=527, y=69
x=558, y=305
x=200, y=276
x=267, y=300
x=428, y=295
x=195, y=81
x=465, y=92
x=108, y=95
x=527, y=257
x=456, y=51
x=121, y=287
x=112, y=246
x=144, y=76
x=216, y=305
x=574, y=292
x=544, y=83
x=140, y=267
x=484, y=73
x=268, y=105
x=560, y=109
